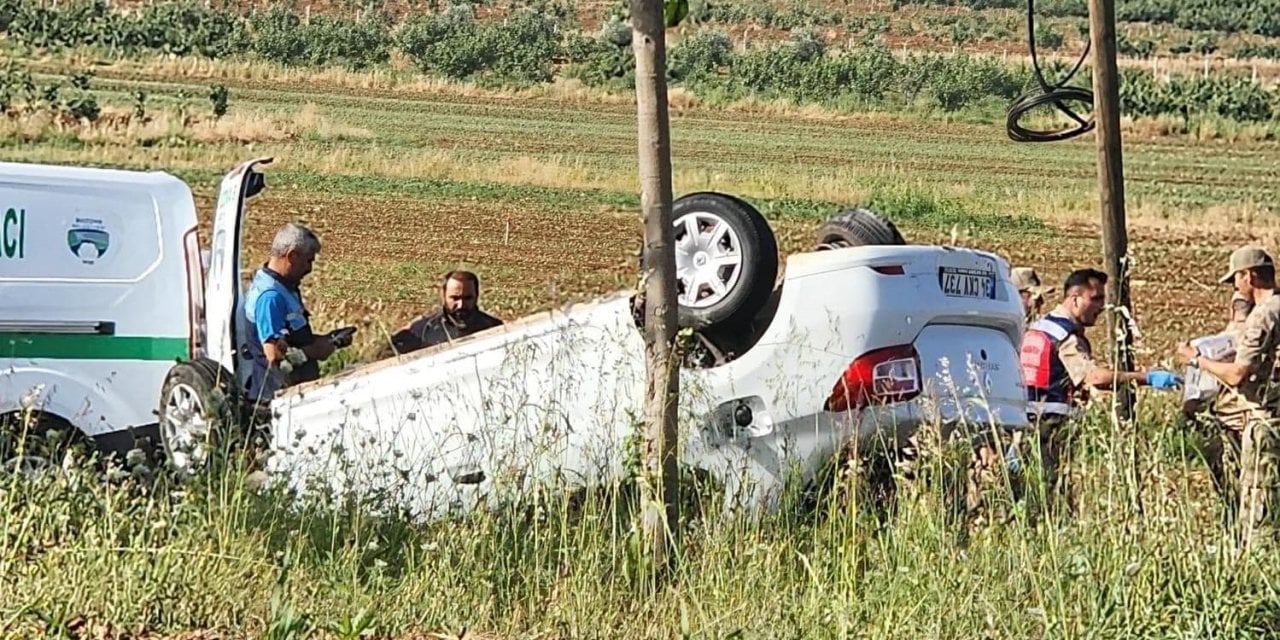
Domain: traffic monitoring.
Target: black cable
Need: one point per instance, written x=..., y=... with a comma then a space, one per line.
x=1056, y=95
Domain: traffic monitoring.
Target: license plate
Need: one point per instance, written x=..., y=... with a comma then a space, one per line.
x=967, y=283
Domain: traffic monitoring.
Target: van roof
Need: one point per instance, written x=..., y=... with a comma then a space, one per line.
x=39, y=172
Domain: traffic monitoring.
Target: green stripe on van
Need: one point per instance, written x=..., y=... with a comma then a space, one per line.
x=77, y=346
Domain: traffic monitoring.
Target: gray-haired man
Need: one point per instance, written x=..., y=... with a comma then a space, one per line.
x=276, y=324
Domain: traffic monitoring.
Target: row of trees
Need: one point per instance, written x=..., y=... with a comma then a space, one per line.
x=1261, y=17
x=533, y=43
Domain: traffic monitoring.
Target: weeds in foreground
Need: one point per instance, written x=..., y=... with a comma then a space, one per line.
x=145, y=554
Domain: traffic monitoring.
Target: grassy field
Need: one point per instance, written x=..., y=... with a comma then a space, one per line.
x=537, y=193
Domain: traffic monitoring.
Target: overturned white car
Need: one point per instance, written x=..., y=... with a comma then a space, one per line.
x=854, y=345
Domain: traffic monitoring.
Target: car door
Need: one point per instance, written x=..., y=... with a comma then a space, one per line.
x=223, y=295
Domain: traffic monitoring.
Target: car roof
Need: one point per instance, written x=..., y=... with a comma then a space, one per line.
x=27, y=171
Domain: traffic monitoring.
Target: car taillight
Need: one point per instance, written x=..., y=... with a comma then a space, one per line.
x=884, y=375
x=889, y=269
x=195, y=293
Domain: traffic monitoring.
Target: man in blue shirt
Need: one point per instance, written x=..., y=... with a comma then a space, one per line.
x=279, y=345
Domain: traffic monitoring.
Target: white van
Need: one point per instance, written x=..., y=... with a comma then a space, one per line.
x=103, y=323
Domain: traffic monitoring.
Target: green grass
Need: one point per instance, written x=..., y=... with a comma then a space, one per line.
x=141, y=553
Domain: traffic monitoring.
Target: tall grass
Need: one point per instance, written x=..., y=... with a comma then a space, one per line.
x=142, y=553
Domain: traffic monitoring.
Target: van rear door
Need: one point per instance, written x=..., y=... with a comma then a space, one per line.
x=222, y=289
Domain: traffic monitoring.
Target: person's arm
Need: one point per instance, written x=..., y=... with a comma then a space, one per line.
x=1084, y=370
x=270, y=313
x=269, y=316
x=320, y=349
x=1232, y=373
x=1104, y=378
x=405, y=340
x=1255, y=338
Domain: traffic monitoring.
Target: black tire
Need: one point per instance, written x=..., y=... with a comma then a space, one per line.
x=858, y=227
x=42, y=439
x=196, y=388
x=751, y=280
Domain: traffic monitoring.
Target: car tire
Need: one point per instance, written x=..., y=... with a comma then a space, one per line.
x=724, y=274
x=197, y=409
x=858, y=227
x=48, y=438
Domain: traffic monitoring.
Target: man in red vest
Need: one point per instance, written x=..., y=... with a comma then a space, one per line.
x=1059, y=371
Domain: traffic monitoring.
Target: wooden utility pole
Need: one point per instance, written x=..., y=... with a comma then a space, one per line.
x=659, y=484
x=1115, y=235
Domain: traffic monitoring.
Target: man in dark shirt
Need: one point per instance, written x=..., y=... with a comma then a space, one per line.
x=459, y=315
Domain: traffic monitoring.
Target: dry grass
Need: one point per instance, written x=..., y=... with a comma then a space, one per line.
x=119, y=127
x=401, y=79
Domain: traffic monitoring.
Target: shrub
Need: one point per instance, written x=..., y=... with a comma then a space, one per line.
x=699, y=58
x=354, y=44
x=1252, y=50
x=449, y=44
x=276, y=35
x=1136, y=47
x=454, y=44
x=218, y=100
x=523, y=47
x=281, y=36
x=184, y=28
x=605, y=60
x=959, y=81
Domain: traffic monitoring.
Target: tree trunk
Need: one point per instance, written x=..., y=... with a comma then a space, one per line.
x=659, y=484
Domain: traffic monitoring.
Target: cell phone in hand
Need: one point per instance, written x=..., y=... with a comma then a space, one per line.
x=342, y=337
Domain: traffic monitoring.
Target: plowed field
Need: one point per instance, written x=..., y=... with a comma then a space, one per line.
x=538, y=194
x=383, y=257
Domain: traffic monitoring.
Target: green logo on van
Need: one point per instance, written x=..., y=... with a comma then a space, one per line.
x=13, y=234
x=88, y=240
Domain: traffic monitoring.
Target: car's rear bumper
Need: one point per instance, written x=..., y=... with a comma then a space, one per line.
x=893, y=424
x=756, y=469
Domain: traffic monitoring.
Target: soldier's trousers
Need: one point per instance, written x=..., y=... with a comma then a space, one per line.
x=1260, y=480
x=976, y=485
x=1222, y=454
x=1055, y=437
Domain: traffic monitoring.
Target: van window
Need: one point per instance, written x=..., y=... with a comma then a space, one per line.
x=80, y=233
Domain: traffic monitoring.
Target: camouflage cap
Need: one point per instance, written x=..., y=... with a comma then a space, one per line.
x=1246, y=258
x=1026, y=279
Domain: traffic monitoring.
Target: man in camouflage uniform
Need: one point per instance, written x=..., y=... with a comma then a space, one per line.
x=1059, y=371
x=1028, y=283
x=1252, y=374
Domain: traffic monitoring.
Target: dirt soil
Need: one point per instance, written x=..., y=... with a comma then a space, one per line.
x=530, y=260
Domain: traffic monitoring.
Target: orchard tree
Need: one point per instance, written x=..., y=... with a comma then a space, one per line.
x=660, y=476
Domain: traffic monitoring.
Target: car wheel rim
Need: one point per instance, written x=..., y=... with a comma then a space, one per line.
x=185, y=427
x=708, y=259
x=28, y=465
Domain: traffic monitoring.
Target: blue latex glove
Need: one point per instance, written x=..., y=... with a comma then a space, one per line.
x=1163, y=380
x=1012, y=460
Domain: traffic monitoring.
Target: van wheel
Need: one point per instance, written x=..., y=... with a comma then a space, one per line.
x=726, y=260
x=196, y=408
x=857, y=227
x=32, y=444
